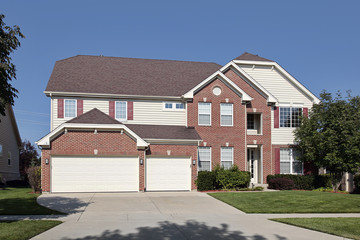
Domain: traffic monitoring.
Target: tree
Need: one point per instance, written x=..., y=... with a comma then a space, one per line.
x=330, y=137
x=28, y=157
x=9, y=42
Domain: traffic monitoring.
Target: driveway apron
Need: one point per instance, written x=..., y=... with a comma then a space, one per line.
x=161, y=215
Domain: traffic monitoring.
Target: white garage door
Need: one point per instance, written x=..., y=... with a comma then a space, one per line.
x=168, y=174
x=94, y=174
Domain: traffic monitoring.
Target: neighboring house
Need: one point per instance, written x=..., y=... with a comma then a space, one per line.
x=10, y=144
x=124, y=124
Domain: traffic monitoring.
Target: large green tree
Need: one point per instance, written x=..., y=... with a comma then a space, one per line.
x=9, y=42
x=330, y=137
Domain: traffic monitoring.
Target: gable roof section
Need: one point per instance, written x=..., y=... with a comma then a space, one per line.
x=94, y=116
x=222, y=77
x=164, y=132
x=251, y=57
x=127, y=76
x=10, y=114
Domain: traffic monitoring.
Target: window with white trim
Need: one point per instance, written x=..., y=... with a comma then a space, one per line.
x=121, y=110
x=289, y=163
x=226, y=114
x=204, y=156
x=69, y=108
x=177, y=106
x=204, y=109
x=290, y=117
x=227, y=157
x=9, y=158
x=1, y=150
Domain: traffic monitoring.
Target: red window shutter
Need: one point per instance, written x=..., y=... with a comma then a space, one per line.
x=276, y=117
x=79, y=107
x=305, y=112
x=277, y=160
x=60, y=109
x=130, y=110
x=112, y=109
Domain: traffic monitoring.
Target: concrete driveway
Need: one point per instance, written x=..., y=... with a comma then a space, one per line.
x=181, y=215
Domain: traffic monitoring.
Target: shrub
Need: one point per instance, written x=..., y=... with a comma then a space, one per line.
x=34, y=176
x=281, y=184
x=258, y=188
x=17, y=183
x=206, y=181
x=231, y=178
x=305, y=182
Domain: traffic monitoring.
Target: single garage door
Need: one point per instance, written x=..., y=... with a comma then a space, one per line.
x=94, y=174
x=168, y=174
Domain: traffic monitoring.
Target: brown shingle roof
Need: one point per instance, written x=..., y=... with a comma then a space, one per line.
x=94, y=116
x=129, y=76
x=164, y=132
x=251, y=57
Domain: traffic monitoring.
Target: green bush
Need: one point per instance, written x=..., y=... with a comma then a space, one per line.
x=305, y=182
x=34, y=176
x=281, y=184
x=231, y=179
x=206, y=181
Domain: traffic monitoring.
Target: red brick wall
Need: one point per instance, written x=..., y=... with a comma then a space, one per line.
x=84, y=143
x=217, y=136
x=179, y=151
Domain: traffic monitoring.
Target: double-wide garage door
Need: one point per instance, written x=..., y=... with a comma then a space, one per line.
x=94, y=174
x=168, y=174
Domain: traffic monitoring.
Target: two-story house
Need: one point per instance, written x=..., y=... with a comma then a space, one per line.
x=124, y=124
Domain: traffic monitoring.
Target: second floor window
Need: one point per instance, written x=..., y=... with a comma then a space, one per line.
x=204, y=113
x=174, y=106
x=70, y=108
x=290, y=117
x=120, y=110
x=227, y=157
x=226, y=112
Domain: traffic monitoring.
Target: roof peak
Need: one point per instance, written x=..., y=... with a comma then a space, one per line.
x=94, y=116
x=252, y=57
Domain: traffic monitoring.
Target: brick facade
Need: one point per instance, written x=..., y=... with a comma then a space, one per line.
x=83, y=143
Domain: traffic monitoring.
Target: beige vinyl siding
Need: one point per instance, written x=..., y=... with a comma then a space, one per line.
x=144, y=112
x=9, y=144
x=286, y=93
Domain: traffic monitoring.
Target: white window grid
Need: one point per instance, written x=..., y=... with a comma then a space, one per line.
x=121, y=110
x=204, y=156
x=226, y=114
x=227, y=157
x=173, y=106
x=289, y=163
x=204, y=117
x=290, y=117
x=70, y=106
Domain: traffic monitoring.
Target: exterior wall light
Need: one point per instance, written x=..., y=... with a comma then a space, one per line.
x=194, y=162
x=141, y=161
x=46, y=161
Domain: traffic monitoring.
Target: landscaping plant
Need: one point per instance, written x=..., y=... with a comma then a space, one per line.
x=34, y=176
x=281, y=184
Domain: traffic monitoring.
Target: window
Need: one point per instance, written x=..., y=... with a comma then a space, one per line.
x=173, y=106
x=1, y=150
x=9, y=158
x=204, y=159
x=250, y=121
x=254, y=123
x=121, y=110
x=227, y=157
x=204, y=113
x=288, y=161
x=70, y=108
x=290, y=117
x=226, y=112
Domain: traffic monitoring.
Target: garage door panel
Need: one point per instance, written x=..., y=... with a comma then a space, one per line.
x=95, y=174
x=164, y=174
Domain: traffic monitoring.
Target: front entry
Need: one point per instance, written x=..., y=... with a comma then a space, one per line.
x=253, y=156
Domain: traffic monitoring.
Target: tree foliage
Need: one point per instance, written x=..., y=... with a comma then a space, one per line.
x=28, y=157
x=330, y=137
x=9, y=42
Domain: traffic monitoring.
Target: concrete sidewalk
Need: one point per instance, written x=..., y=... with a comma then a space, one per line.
x=147, y=215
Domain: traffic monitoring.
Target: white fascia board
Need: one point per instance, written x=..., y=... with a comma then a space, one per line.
x=105, y=95
x=173, y=141
x=217, y=74
x=270, y=97
x=45, y=141
x=285, y=73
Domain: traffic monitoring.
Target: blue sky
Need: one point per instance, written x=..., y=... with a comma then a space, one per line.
x=315, y=41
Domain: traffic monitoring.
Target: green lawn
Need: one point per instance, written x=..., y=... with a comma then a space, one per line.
x=19, y=201
x=344, y=227
x=21, y=230
x=291, y=202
